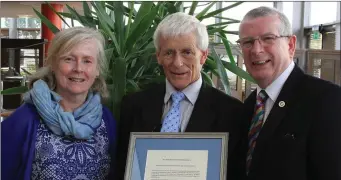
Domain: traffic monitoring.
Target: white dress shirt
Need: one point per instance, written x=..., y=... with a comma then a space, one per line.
x=186, y=106
x=275, y=88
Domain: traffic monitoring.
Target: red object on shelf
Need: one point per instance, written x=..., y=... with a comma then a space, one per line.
x=46, y=33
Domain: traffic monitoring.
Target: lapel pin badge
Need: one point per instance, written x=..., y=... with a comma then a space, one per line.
x=281, y=104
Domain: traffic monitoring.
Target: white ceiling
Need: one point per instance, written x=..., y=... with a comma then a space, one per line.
x=22, y=9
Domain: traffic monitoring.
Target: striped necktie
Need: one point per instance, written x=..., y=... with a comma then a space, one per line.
x=256, y=126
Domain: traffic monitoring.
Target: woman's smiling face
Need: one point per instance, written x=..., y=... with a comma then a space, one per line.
x=76, y=71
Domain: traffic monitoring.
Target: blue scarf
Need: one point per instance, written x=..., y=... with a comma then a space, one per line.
x=82, y=123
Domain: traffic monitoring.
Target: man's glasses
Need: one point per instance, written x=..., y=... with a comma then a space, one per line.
x=265, y=40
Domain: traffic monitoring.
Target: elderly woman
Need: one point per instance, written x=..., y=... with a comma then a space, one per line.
x=62, y=131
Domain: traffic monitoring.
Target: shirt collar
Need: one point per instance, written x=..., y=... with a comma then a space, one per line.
x=191, y=92
x=275, y=87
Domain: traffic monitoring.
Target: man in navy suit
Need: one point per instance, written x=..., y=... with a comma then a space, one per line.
x=181, y=43
x=295, y=127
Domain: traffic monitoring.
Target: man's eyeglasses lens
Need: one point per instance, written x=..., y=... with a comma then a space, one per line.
x=265, y=40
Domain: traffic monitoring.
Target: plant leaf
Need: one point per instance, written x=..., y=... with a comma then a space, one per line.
x=88, y=14
x=212, y=30
x=218, y=11
x=132, y=86
x=125, y=12
x=141, y=28
x=65, y=14
x=131, y=7
x=107, y=24
x=119, y=79
x=139, y=72
x=143, y=11
x=203, y=12
x=47, y=22
x=119, y=24
x=82, y=19
x=211, y=63
x=222, y=71
x=230, y=32
x=229, y=19
x=109, y=53
x=238, y=71
x=102, y=15
x=15, y=90
x=193, y=7
x=227, y=48
x=219, y=24
x=207, y=78
x=86, y=9
x=171, y=7
x=57, y=13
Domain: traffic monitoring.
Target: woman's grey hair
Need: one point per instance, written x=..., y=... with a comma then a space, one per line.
x=285, y=26
x=64, y=42
x=180, y=24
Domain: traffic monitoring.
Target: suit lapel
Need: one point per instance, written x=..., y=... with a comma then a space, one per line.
x=288, y=96
x=202, y=115
x=152, y=113
x=201, y=118
x=249, y=105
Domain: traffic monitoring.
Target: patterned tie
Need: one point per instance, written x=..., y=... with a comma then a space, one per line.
x=256, y=125
x=172, y=121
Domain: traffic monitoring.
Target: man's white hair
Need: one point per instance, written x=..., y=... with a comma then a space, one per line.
x=181, y=24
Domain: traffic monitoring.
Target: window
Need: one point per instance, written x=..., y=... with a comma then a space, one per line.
x=28, y=22
x=329, y=12
x=238, y=13
x=288, y=10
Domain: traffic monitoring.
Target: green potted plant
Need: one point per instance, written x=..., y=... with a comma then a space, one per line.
x=130, y=51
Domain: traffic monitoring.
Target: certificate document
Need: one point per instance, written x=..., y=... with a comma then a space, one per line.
x=176, y=165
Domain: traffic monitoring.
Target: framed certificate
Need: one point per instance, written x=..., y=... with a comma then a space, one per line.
x=177, y=156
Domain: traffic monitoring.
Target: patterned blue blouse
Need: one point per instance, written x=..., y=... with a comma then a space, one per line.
x=59, y=158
